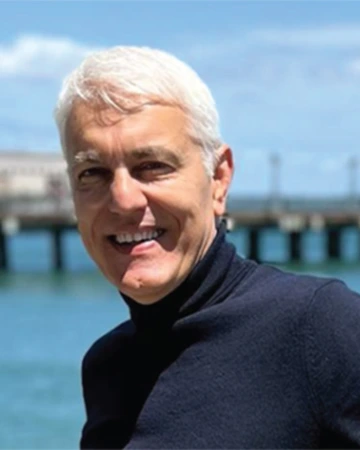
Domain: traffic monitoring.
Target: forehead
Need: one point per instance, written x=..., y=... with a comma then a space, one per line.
x=107, y=128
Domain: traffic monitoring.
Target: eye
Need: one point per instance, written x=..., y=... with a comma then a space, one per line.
x=93, y=174
x=152, y=169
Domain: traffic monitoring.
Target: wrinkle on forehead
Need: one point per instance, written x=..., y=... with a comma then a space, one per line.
x=108, y=114
x=110, y=100
x=85, y=140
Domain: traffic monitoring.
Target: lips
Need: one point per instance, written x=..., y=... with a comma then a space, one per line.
x=138, y=237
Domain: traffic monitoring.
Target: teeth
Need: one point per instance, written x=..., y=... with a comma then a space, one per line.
x=136, y=237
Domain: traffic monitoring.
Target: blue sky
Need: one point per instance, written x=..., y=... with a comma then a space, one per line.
x=285, y=76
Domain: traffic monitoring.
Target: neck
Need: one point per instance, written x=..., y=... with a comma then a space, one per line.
x=206, y=284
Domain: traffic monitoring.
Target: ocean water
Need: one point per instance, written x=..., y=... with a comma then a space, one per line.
x=49, y=320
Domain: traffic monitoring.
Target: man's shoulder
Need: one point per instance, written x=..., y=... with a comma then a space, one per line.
x=315, y=312
x=297, y=290
x=265, y=275
x=107, y=346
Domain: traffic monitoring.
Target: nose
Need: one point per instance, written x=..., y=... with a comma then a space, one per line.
x=126, y=195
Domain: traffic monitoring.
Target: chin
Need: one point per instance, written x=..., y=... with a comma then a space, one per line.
x=145, y=284
x=141, y=296
x=144, y=290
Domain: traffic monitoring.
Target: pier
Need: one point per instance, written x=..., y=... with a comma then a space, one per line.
x=35, y=195
x=293, y=216
x=36, y=215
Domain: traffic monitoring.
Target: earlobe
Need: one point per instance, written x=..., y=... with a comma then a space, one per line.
x=222, y=178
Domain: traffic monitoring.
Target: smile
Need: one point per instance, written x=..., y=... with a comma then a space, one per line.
x=136, y=238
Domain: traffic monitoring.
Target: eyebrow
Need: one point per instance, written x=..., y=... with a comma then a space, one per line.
x=140, y=153
x=90, y=155
x=157, y=152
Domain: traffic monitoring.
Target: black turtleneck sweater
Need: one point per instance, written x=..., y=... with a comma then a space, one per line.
x=240, y=355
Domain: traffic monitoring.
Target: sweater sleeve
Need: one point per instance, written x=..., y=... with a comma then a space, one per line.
x=332, y=353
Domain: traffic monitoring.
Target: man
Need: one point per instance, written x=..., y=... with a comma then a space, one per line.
x=220, y=352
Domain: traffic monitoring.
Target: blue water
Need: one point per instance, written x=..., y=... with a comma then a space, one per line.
x=49, y=320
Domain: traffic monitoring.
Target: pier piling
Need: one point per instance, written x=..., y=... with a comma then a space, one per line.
x=254, y=246
x=58, y=257
x=334, y=243
x=295, y=246
x=4, y=261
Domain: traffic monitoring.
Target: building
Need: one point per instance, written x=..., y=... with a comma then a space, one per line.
x=32, y=174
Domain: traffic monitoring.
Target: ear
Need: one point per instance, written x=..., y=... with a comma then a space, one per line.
x=223, y=172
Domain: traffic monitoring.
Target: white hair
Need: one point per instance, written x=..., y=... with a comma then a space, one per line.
x=128, y=78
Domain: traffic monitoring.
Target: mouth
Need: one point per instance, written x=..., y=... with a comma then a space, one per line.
x=127, y=241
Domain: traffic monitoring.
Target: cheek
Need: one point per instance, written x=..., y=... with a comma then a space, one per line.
x=192, y=214
x=86, y=209
x=83, y=222
x=188, y=194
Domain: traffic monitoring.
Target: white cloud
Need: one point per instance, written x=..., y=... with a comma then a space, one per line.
x=266, y=57
x=40, y=57
x=287, y=89
x=330, y=36
x=256, y=54
x=354, y=66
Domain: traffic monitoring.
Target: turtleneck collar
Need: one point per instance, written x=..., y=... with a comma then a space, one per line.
x=210, y=281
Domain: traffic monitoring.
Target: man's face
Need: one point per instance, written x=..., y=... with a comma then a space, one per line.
x=144, y=204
